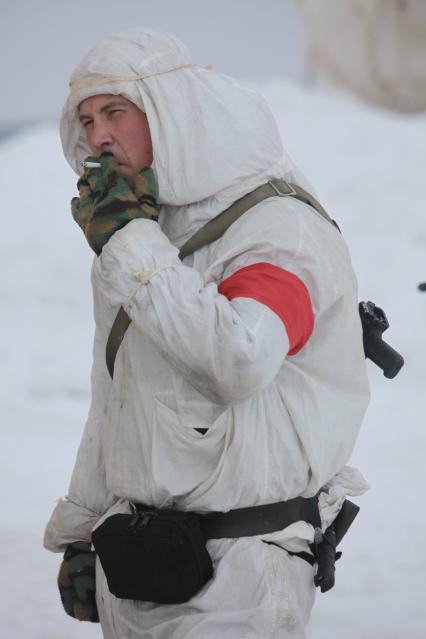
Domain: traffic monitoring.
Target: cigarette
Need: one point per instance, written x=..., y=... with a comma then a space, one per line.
x=91, y=165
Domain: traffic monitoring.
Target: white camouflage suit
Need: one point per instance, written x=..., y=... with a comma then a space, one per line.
x=282, y=402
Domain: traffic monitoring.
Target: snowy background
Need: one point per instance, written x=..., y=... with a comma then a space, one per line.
x=368, y=168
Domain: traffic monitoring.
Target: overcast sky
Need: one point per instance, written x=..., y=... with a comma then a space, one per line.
x=41, y=41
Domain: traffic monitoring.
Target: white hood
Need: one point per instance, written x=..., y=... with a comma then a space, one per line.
x=213, y=140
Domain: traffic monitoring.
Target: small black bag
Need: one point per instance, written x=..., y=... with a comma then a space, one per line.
x=153, y=555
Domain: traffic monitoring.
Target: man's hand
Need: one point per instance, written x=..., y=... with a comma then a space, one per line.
x=76, y=582
x=107, y=203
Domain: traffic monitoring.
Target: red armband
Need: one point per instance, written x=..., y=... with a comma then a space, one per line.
x=281, y=291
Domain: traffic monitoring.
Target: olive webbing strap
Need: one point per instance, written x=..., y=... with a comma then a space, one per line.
x=213, y=230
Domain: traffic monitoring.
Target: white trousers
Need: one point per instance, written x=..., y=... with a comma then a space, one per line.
x=258, y=591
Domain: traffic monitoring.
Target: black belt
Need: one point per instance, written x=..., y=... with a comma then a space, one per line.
x=261, y=520
x=255, y=520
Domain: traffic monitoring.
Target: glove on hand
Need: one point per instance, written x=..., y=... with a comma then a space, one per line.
x=76, y=582
x=107, y=203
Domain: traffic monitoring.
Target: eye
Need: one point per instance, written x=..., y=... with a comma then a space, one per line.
x=86, y=123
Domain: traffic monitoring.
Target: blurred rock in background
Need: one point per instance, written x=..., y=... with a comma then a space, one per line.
x=374, y=48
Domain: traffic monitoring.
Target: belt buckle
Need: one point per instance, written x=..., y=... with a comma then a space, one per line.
x=290, y=190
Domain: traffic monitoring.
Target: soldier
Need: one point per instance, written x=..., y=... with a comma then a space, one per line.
x=219, y=430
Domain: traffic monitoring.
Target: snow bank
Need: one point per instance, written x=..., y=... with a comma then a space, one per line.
x=367, y=167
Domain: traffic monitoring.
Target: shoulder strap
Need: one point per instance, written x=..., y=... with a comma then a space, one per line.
x=213, y=230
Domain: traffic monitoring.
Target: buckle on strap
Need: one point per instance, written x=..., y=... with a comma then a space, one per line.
x=282, y=188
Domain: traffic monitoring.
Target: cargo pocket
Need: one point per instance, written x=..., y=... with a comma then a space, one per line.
x=291, y=581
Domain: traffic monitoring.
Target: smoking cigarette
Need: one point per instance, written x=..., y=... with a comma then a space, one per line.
x=91, y=165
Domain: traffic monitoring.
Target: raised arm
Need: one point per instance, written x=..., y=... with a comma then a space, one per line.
x=227, y=338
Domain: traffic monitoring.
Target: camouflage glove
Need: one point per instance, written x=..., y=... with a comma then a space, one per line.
x=76, y=582
x=107, y=203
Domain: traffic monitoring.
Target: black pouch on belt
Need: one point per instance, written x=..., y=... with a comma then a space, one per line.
x=153, y=555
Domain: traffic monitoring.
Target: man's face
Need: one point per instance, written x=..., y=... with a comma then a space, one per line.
x=115, y=124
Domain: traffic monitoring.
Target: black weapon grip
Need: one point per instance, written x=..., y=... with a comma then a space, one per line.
x=386, y=358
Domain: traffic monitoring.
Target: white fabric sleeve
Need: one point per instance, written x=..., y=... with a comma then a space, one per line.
x=227, y=350
x=88, y=497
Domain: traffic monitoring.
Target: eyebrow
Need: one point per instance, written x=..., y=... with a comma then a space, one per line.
x=105, y=107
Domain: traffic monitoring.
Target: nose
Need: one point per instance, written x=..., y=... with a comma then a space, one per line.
x=100, y=137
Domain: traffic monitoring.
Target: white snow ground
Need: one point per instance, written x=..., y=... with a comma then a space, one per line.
x=368, y=168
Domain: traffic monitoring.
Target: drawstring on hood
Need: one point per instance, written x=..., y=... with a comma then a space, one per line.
x=213, y=140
